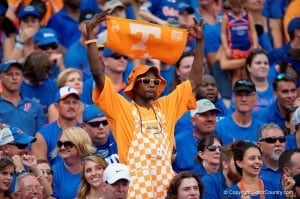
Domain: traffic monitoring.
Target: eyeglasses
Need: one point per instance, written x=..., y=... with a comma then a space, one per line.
x=146, y=80
x=97, y=123
x=19, y=146
x=66, y=144
x=213, y=148
x=287, y=75
x=118, y=56
x=272, y=140
x=47, y=171
x=53, y=46
x=30, y=188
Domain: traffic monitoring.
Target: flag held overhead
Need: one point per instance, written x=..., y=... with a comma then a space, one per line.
x=139, y=39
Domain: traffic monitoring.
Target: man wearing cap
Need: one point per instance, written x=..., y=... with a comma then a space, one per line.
x=293, y=140
x=96, y=125
x=285, y=91
x=67, y=104
x=144, y=127
x=116, y=178
x=204, y=122
x=16, y=109
x=294, y=33
x=76, y=54
x=65, y=23
x=240, y=125
x=19, y=47
x=45, y=41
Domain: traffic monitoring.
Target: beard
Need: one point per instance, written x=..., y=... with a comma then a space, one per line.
x=275, y=155
x=233, y=175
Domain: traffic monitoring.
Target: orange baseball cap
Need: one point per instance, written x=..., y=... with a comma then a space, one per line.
x=140, y=70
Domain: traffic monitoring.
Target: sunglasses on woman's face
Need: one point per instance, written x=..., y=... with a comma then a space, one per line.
x=213, y=148
x=146, y=80
x=66, y=144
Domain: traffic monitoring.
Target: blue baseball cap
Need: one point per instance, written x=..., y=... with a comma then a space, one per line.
x=183, y=7
x=45, y=36
x=294, y=24
x=29, y=10
x=65, y=92
x=91, y=112
x=107, y=52
x=14, y=134
x=9, y=63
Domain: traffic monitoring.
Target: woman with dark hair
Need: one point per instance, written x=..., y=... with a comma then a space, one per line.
x=208, y=157
x=248, y=163
x=6, y=176
x=184, y=185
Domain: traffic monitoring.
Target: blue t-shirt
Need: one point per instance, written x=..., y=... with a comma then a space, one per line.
x=212, y=37
x=109, y=150
x=290, y=141
x=227, y=127
x=26, y=115
x=199, y=169
x=44, y=92
x=269, y=174
x=65, y=184
x=215, y=185
x=66, y=28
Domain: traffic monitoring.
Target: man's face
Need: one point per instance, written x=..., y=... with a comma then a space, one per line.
x=286, y=94
x=244, y=101
x=269, y=149
x=118, y=190
x=294, y=169
x=208, y=88
x=115, y=63
x=30, y=188
x=205, y=122
x=68, y=108
x=12, y=79
x=13, y=148
x=145, y=86
x=98, y=129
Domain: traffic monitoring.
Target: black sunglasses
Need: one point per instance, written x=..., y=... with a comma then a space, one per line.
x=66, y=144
x=146, y=80
x=118, y=56
x=97, y=123
x=53, y=46
x=213, y=148
x=272, y=140
x=19, y=146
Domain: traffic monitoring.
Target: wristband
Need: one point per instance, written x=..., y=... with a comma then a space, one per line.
x=18, y=40
x=90, y=41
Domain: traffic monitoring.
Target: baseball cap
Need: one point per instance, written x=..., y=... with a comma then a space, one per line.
x=65, y=92
x=29, y=10
x=244, y=85
x=183, y=7
x=8, y=63
x=45, y=36
x=116, y=171
x=203, y=106
x=91, y=112
x=113, y=4
x=294, y=24
x=86, y=14
x=14, y=134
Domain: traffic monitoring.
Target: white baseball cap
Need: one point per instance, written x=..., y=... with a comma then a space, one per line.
x=115, y=172
x=203, y=106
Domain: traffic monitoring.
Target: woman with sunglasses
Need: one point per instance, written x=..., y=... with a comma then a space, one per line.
x=248, y=162
x=68, y=77
x=73, y=144
x=7, y=169
x=208, y=157
x=91, y=177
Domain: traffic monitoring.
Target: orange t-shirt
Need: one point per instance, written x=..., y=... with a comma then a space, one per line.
x=119, y=112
